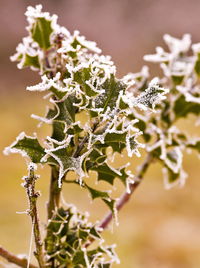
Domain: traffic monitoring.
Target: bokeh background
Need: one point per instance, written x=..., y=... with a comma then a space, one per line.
x=158, y=228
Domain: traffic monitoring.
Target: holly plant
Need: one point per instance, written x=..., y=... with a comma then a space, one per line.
x=81, y=83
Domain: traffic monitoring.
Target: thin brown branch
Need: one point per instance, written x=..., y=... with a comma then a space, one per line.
x=21, y=262
x=126, y=196
x=29, y=185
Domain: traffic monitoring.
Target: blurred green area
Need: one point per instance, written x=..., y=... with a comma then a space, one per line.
x=158, y=229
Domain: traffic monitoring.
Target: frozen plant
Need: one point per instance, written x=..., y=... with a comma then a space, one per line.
x=78, y=79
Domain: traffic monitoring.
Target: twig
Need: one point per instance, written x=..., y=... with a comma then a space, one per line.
x=29, y=185
x=54, y=193
x=126, y=196
x=22, y=262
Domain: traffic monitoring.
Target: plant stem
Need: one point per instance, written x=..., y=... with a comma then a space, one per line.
x=29, y=185
x=127, y=195
x=54, y=193
x=15, y=259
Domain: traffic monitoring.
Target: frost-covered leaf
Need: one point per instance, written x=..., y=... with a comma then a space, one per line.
x=153, y=95
x=97, y=194
x=41, y=31
x=104, y=197
x=67, y=233
x=66, y=111
x=31, y=61
x=108, y=174
x=172, y=179
x=109, y=98
x=63, y=156
x=27, y=146
x=173, y=159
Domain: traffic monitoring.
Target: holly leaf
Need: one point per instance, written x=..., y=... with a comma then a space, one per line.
x=173, y=159
x=97, y=194
x=172, y=179
x=30, y=61
x=153, y=95
x=108, y=174
x=112, y=88
x=66, y=111
x=41, y=31
x=27, y=146
x=65, y=162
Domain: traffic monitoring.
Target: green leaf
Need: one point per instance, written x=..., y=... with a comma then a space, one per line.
x=116, y=140
x=66, y=111
x=197, y=67
x=172, y=179
x=104, y=265
x=31, y=61
x=142, y=126
x=66, y=162
x=41, y=31
x=109, y=98
x=151, y=96
x=79, y=259
x=182, y=107
x=112, y=206
x=195, y=145
x=97, y=194
x=27, y=146
x=108, y=174
x=177, y=79
x=58, y=130
x=94, y=233
x=104, y=197
x=83, y=234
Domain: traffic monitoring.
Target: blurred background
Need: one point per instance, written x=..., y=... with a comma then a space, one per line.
x=158, y=228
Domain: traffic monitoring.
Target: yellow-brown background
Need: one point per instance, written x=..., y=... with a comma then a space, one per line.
x=158, y=228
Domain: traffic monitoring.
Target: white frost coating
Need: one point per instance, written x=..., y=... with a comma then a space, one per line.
x=178, y=157
x=76, y=163
x=83, y=44
x=33, y=13
x=27, y=47
x=129, y=181
x=86, y=258
x=160, y=56
x=137, y=145
x=21, y=136
x=196, y=48
x=177, y=46
x=191, y=98
x=62, y=144
x=32, y=166
x=47, y=83
x=136, y=80
x=153, y=98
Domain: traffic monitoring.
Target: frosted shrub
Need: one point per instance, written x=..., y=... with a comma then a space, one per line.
x=76, y=78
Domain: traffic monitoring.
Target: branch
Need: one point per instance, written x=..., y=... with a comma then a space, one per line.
x=54, y=193
x=32, y=197
x=126, y=196
x=22, y=262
